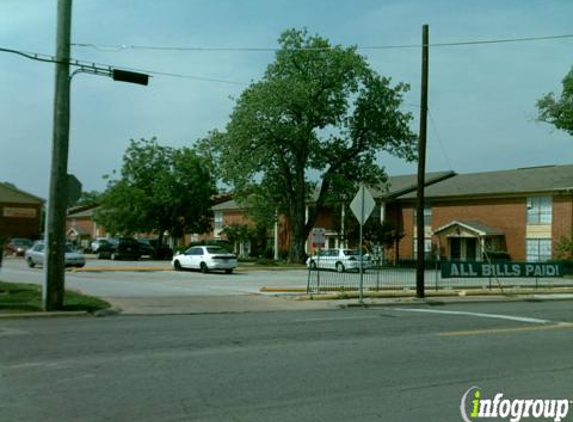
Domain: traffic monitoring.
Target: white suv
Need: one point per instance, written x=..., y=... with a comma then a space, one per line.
x=338, y=259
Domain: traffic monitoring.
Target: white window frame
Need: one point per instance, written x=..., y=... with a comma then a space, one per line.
x=218, y=220
x=538, y=250
x=539, y=210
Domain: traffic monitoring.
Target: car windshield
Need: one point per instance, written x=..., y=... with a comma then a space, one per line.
x=22, y=242
x=216, y=249
x=351, y=252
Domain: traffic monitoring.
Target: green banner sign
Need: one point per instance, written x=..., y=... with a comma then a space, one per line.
x=458, y=269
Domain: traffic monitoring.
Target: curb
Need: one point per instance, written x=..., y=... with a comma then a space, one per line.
x=509, y=294
x=119, y=269
x=475, y=299
x=168, y=268
x=56, y=314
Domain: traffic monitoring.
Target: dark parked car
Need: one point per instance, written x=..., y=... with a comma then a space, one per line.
x=17, y=246
x=96, y=244
x=151, y=248
x=120, y=248
x=146, y=249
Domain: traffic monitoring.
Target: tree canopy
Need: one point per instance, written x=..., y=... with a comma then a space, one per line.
x=559, y=111
x=313, y=124
x=88, y=198
x=159, y=189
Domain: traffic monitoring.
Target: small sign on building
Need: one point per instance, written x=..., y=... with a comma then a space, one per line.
x=318, y=237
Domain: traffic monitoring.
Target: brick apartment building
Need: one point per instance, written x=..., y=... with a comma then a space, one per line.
x=519, y=213
x=522, y=212
x=81, y=227
x=20, y=213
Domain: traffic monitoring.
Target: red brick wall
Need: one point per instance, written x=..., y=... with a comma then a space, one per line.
x=562, y=217
x=407, y=242
x=83, y=225
x=326, y=219
x=235, y=218
x=506, y=214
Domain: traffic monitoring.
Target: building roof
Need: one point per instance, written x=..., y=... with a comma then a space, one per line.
x=15, y=195
x=401, y=185
x=475, y=226
x=230, y=205
x=82, y=211
x=507, y=182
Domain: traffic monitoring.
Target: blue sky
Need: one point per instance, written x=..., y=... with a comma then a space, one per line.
x=482, y=98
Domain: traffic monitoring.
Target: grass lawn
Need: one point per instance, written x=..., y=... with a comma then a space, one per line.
x=18, y=297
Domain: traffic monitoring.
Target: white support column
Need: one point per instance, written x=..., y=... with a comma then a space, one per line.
x=342, y=227
x=276, y=240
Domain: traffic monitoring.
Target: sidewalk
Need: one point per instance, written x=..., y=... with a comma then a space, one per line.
x=194, y=305
x=213, y=304
x=281, y=300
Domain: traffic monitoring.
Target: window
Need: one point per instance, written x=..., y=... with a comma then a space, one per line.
x=218, y=222
x=427, y=247
x=427, y=215
x=539, y=210
x=538, y=250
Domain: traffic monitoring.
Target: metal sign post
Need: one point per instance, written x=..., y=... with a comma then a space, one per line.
x=362, y=206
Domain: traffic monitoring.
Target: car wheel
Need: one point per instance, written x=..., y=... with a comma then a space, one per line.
x=204, y=268
x=229, y=271
x=30, y=263
x=312, y=265
x=339, y=267
x=177, y=266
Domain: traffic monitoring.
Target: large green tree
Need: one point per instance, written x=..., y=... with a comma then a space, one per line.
x=559, y=111
x=318, y=116
x=159, y=189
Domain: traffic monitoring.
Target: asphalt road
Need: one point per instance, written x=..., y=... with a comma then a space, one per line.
x=384, y=364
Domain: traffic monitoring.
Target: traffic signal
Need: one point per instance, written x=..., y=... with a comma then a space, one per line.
x=132, y=77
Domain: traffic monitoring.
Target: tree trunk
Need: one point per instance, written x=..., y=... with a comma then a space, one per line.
x=297, y=252
x=298, y=211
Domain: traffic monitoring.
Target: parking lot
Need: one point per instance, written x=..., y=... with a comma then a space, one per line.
x=157, y=283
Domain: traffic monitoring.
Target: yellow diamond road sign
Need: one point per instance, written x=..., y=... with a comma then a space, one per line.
x=362, y=204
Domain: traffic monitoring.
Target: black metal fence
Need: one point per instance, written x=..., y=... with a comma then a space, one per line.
x=382, y=276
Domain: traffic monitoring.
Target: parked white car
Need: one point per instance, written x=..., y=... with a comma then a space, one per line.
x=205, y=258
x=36, y=255
x=338, y=259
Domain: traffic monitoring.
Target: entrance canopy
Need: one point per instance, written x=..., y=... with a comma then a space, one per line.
x=459, y=228
x=467, y=240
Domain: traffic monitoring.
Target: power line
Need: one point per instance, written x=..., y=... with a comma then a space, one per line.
x=45, y=58
x=435, y=127
x=122, y=47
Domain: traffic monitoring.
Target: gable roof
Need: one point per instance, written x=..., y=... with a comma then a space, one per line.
x=474, y=226
x=15, y=195
x=401, y=185
x=507, y=182
x=84, y=211
x=230, y=205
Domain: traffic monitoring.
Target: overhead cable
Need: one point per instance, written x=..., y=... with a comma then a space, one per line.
x=121, y=47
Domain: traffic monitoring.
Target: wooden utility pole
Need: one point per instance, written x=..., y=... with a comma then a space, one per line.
x=53, y=292
x=420, y=229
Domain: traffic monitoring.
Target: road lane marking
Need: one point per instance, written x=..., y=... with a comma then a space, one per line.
x=12, y=332
x=337, y=319
x=558, y=326
x=479, y=315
